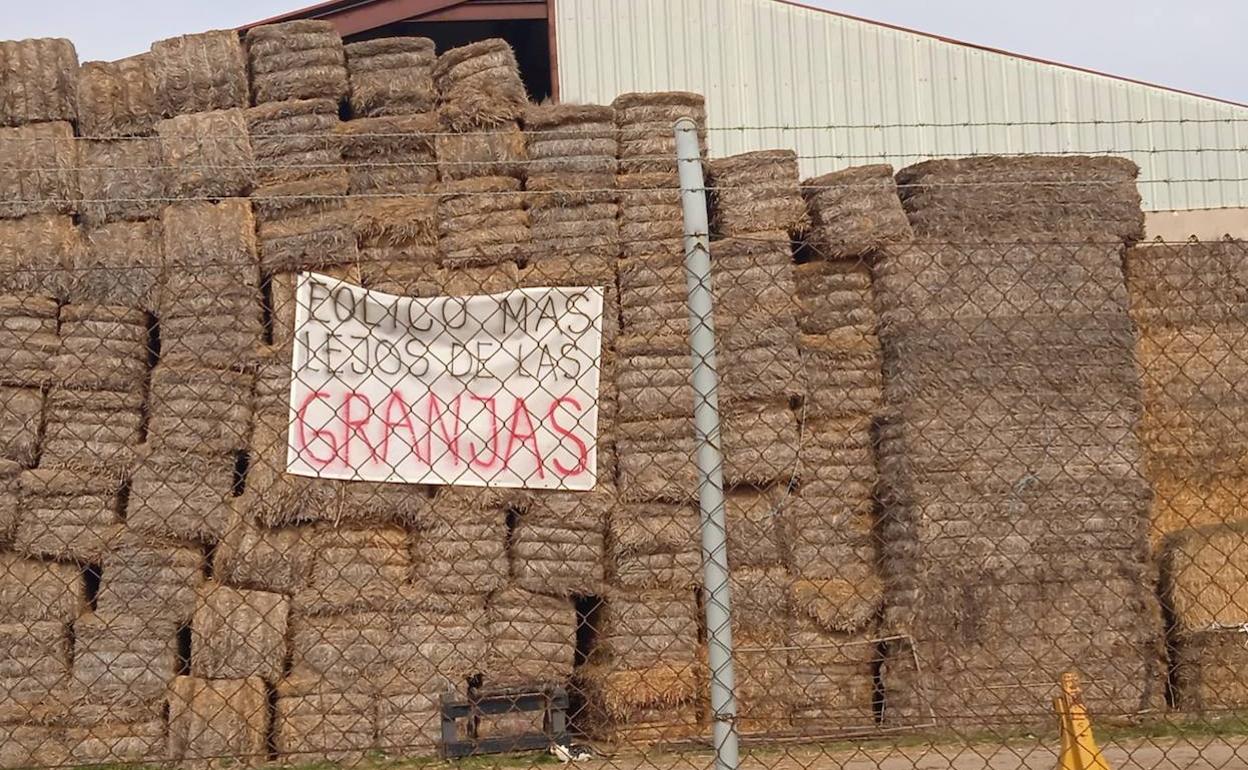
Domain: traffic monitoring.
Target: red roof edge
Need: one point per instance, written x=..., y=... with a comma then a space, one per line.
x=1026, y=57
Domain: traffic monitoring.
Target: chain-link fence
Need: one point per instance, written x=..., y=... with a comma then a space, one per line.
x=373, y=439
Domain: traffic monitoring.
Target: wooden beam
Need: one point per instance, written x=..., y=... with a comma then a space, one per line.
x=522, y=9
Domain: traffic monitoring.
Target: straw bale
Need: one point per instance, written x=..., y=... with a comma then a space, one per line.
x=646, y=135
x=275, y=498
x=118, y=98
x=225, y=718
x=92, y=430
x=465, y=548
x=532, y=638
x=571, y=140
x=31, y=745
x=199, y=410
x=441, y=641
x=200, y=72
x=121, y=179
x=650, y=629
x=322, y=725
x=10, y=498
x=1064, y=198
x=67, y=515
x=855, y=212
x=38, y=170
x=28, y=339
x=654, y=544
x=34, y=666
x=40, y=81
x=294, y=141
x=121, y=265
x=103, y=347
x=342, y=652
x=1184, y=501
x=657, y=722
x=409, y=724
x=757, y=192
x=122, y=659
x=301, y=59
x=848, y=603
x=149, y=578
x=238, y=633
x=498, y=152
x=36, y=254
x=830, y=678
x=21, y=414
x=755, y=533
x=482, y=222
x=1177, y=286
x=354, y=569
x=309, y=240
x=557, y=545
x=117, y=743
x=479, y=86
x=263, y=559
x=391, y=76
x=33, y=591
x=182, y=496
x=1207, y=576
x=765, y=696
x=1209, y=669
x=207, y=154
x=391, y=154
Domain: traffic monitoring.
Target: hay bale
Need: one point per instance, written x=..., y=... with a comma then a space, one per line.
x=207, y=154
x=312, y=239
x=199, y=410
x=122, y=265
x=28, y=339
x=25, y=745
x=652, y=632
x=651, y=219
x=764, y=692
x=122, y=659
x=34, y=667
x=210, y=303
x=40, y=81
x=103, y=347
x=855, y=212
x=94, y=431
x=301, y=59
x=215, y=718
x=572, y=140
x=38, y=170
x=441, y=641
x=21, y=416
x=263, y=559
x=357, y=569
x=829, y=678
x=66, y=515
x=118, y=98
x=654, y=545
x=298, y=157
x=482, y=222
x=151, y=579
x=465, y=548
x=479, y=86
x=391, y=154
x=1209, y=668
x=111, y=742
x=645, y=121
x=557, y=544
x=121, y=179
x=199, y=73
x=757, y=192
x=1207, y=577
x=532, y=638
x=391, y=76
x=36, y=256
x=1052, y=198
x=10, y=497
x=754, y=519
x=409, y=723
x=347, y=652
x=32, y=591
x=237, y=634
x=322, y=725
x=654, y=723
x=182, y=496
x=499, y=152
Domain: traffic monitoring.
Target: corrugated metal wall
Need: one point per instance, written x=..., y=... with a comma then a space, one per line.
x=894, y=96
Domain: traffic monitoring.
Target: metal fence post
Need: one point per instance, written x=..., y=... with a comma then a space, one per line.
x=707, y=433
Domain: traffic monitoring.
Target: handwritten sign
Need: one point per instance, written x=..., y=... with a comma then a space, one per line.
x=494, y=390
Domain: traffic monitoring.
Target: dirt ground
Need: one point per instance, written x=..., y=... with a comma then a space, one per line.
x=1187, y=753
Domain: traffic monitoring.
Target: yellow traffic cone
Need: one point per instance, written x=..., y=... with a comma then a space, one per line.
x=1079, y=750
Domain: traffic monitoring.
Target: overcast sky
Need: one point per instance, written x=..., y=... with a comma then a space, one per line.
x=1194, y=46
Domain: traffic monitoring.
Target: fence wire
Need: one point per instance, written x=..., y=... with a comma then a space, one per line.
x=978, y=433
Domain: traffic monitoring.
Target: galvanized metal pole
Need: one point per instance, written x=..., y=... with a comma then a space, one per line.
x=707, y=434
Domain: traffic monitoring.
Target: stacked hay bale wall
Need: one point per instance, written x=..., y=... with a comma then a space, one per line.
x=1012, y=396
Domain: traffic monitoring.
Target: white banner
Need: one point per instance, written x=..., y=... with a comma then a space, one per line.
x=495, y=390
